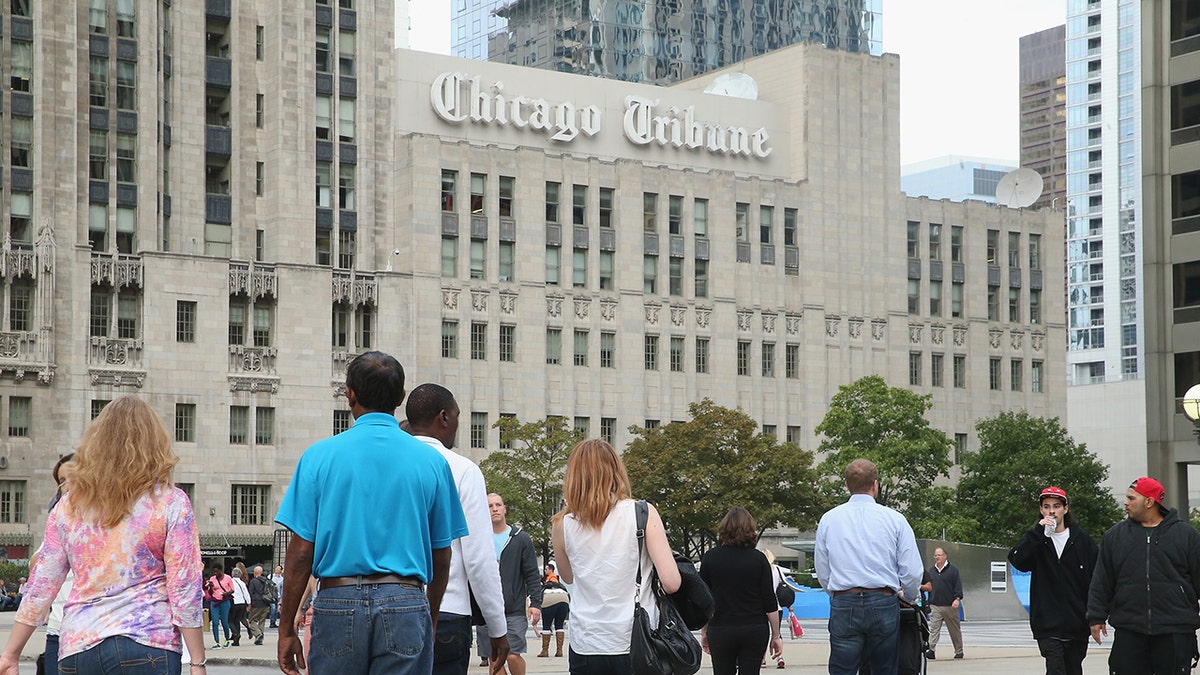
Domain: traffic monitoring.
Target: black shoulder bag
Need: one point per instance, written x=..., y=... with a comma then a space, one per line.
x=669, y=649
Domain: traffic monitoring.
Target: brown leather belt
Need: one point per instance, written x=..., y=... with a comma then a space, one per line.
x=372, y=579
x=885, y=590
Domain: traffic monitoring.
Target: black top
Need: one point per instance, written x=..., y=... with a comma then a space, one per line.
x=740, y=579
x=1058, y=587
x=947, y=585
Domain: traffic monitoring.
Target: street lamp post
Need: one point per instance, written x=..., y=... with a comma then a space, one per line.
x=1191, y=408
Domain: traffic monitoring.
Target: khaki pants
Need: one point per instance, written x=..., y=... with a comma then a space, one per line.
x=258, y=616
x=949, y=615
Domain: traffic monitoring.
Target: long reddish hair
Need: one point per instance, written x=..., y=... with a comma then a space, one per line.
x=595, y=480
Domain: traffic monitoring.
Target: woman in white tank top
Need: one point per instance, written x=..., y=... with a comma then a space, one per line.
x=596, y=548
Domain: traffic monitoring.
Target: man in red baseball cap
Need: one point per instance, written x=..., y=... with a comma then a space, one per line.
x=1061, y=558
x=1146, y=585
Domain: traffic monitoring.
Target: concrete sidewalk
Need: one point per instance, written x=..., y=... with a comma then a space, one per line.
x=991, y=648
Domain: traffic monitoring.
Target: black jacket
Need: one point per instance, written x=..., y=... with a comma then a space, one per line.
x=519, y=572
x=1146, y=580
x=1058, y=589
x=947, y=585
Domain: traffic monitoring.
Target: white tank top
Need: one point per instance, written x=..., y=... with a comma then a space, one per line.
x=604, y=563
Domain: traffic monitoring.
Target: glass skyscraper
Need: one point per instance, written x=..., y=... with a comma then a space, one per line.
x=660, y=41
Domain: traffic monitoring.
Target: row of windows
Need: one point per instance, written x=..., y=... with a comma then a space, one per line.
x=937, y=372
x=239, y=424
x=248, y=504
x=957, y=309
x=934, y=241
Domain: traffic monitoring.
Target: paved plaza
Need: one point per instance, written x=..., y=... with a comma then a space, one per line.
x=992, y=648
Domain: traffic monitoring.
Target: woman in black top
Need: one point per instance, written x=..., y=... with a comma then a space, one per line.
x=747, y=613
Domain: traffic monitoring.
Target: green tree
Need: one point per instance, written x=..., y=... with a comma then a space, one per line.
x=1018, y=456
x=695, y=471
x=529, y=474
x=870, y=420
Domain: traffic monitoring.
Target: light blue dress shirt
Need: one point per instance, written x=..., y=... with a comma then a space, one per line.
x=863, y=544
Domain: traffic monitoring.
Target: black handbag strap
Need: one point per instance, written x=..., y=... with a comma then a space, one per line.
x=642, y=514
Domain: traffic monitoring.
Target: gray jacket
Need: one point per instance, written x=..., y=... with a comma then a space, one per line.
x=519, y=574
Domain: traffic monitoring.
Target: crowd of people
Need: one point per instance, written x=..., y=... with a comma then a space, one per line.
x=399, y=590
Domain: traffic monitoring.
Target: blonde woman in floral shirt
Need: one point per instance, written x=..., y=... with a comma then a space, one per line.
x=130, y=538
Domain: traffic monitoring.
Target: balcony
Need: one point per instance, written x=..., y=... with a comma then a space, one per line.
x=218, y=140
x=115, y=362
x=118, y=270
x=355, y=288
x=218, y=209
x=217, y=9
x=252, y=280
x=218, y=72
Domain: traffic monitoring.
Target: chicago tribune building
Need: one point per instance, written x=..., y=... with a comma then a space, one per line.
x=221, y=234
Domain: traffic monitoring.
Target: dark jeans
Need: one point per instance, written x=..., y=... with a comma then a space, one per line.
x=237, y=618
x=121, y=656
x=371, y=629
x=452, y=644
x=51, y=654
x=555, y=615
x=863, y=624
x=1063, y=657
x=1141, y=654
x=599, y=664
x=737, y=649
x=274, y=615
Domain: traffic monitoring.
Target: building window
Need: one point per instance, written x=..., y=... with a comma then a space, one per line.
x=259, y=179
x=322, y=58
x=1014, y=305
x=675, y=214
x=993, y=247
x=651, y=424
x=741, y=221
x=553, y=346
x=651, y=352
x=701, y=355
x=1015, y=366
x=478, y=341
x=324, y=247
x=508, y=337
x=249, y=504
x=239, y=424
x=581, y=347
x=507, y=251
x=960, y=446
x=346, y=117
x=264, y=426
x=552, y=190
x=341, y=421
x=914, y=369
x=649, y=211
x=98, y=156
x=1035, y=377
x=20, y=305
x=1014, y=249
x=913, y=238
x=98, y=17
x=1035, y=306
x=185, y=321
x=993, y=300
x=743, y=357
x=792, y=435
x=478, y=258
x=479, y=423
x=20, y=150
x=608, y=429
x=448, y=180
x=608, y=350
x=700, y=217
x=606, y=207
x=960, y=371
x=789, y=227
x=449, y=339
x=935, y=298
x=583, y=426
x=766, y=225
x=364, y=326
x=506, y=442
x=345, y=54
x=676, y=354
x=956, y=300
x=20, y=222
x=346, y=187
x=324, y=109
x=12, y=501
x=994, y=374
x=1035, y=251
x=259, y=40
x=650, y=274
x=768, y=359
x=21, y=67
x=553, y=258
x=914, y=296
x=101, y=306
x=935, y=241
x=98, y=406
x=20, y=416
x=449, y=256
x=185, y=422
x=701, y=278
x=791, y=362
x=675, y=276
x=506, y=196
x=126, y=85
x=606, y=270
x=126, y=15
x=579, y=205
x=956, y=243
x=579, y=268
x=478, y=192
x=324, y=185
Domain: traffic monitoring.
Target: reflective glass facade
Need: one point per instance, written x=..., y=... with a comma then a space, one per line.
x=660, y=41
x=1103, y=191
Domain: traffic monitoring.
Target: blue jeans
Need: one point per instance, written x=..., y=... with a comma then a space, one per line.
x=599, y=664
x=51, y=654
x=864, y=624
x=121, y=656
x=452, y=644
x=273, y=615
x=219, y=615
x=371, y=630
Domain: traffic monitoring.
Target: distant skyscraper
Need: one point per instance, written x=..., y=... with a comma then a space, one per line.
x=1044, y=111
x=660, y=41
x=955, y=178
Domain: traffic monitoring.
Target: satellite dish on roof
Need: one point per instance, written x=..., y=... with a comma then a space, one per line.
x=736, y=85
x=1019, y=188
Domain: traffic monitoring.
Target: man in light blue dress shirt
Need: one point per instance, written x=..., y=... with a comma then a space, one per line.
x=865, y=555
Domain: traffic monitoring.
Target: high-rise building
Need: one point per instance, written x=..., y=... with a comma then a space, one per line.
x=1104, y=266
x=173, y=173
x=1171, y=181
x=661, y=41
x=954, y=177
x=1043, y=82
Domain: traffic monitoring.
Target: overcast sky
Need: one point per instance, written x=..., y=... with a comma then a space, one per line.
x=958, y=68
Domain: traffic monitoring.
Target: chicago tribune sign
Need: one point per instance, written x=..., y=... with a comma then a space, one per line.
x=459, y=98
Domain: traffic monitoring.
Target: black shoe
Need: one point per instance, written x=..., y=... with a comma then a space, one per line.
x=274, y=625
x=929, y=655
x=258, y=641
x=958, y=655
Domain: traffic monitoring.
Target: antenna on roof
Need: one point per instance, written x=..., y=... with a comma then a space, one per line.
x=1019, y=188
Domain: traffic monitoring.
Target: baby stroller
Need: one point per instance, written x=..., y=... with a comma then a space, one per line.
x=912, y=642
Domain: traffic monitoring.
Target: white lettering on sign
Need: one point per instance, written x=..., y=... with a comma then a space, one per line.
x=679, y=128
x=457, y=97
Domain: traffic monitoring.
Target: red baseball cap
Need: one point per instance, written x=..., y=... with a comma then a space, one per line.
x=1148, y=487
x=1054, y=491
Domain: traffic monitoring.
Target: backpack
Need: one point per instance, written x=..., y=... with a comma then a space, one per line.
x=271, y=592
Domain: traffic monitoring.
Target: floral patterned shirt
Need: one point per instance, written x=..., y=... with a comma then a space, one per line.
x=140, y=579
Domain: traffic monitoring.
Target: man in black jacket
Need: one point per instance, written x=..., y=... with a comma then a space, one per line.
x=945, y=595
x=1061, y=565
x=1146, y=584
x=520, y=576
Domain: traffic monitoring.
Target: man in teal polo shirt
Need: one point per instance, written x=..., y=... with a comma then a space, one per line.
x=372, y=513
